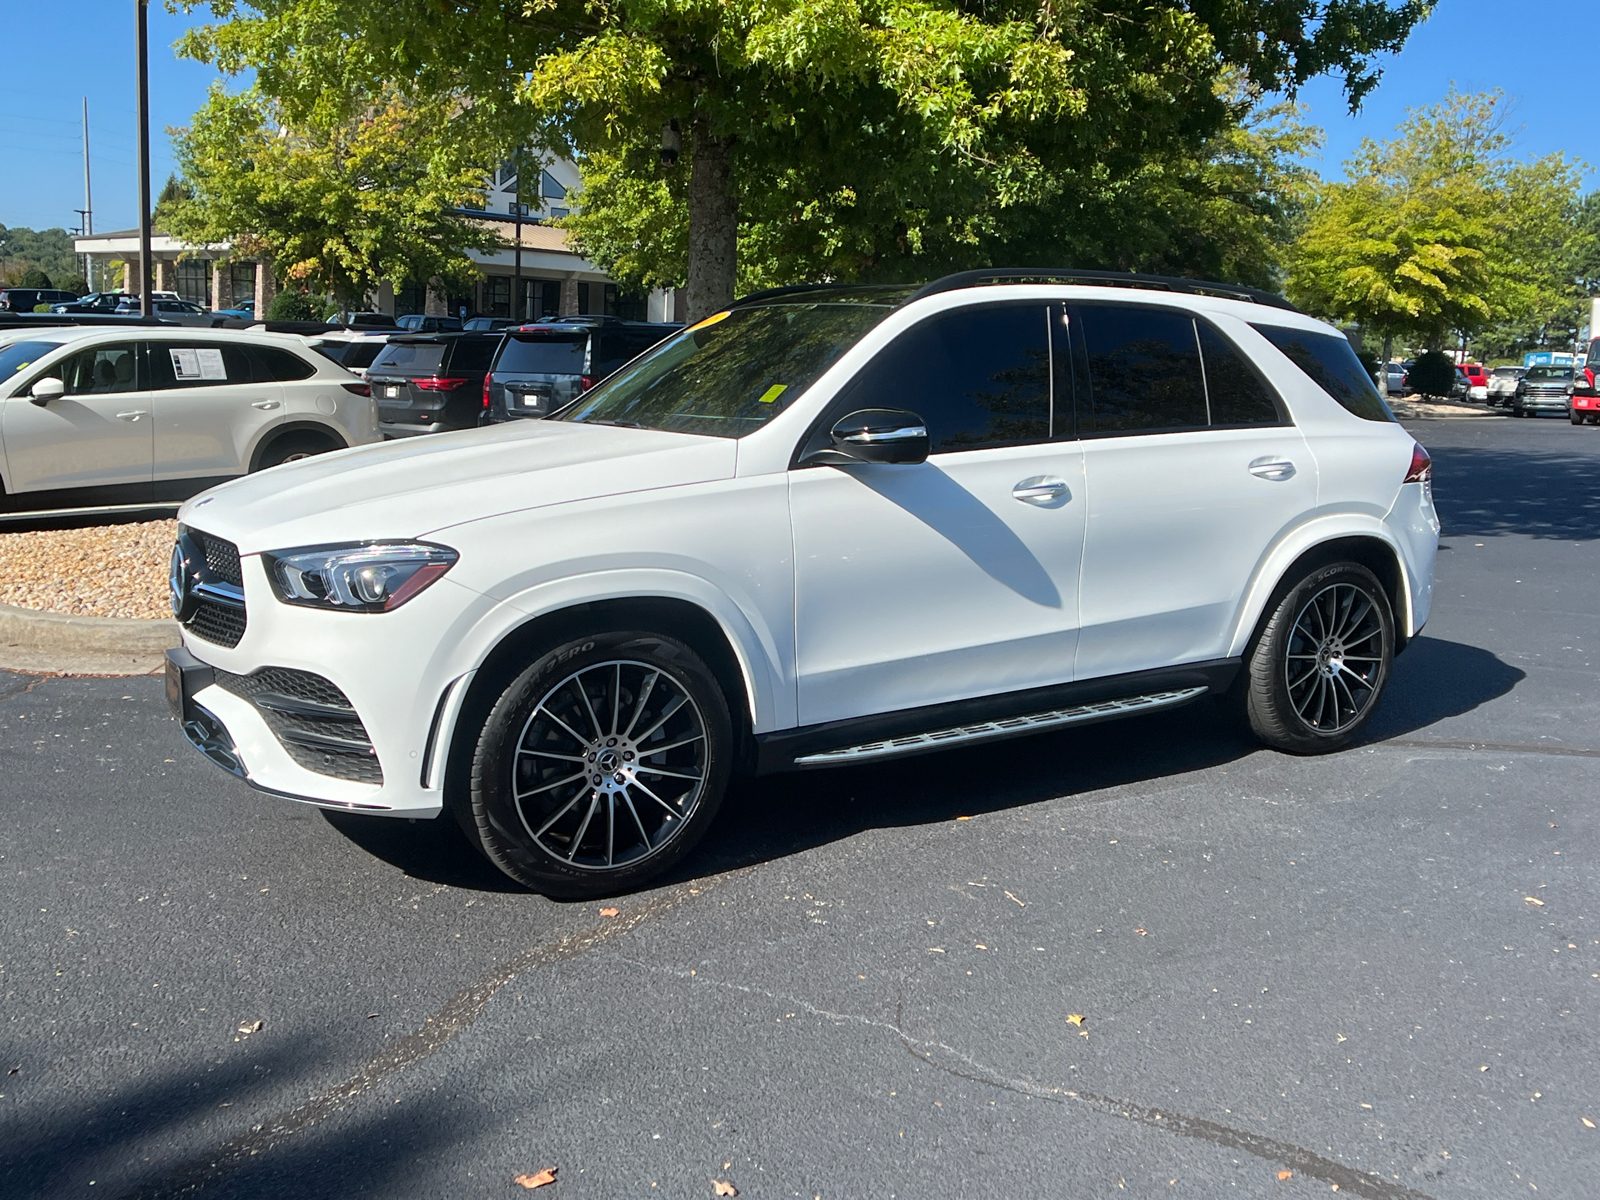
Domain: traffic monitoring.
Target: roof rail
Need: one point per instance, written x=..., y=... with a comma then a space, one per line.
x=1167, y=283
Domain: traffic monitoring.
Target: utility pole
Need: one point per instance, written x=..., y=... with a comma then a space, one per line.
x=146, y=274
x=518, y=313
x=88, y=203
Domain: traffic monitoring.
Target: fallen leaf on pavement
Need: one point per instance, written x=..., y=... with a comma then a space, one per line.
x=1075, y=1018
x=538, y=1178
x=608, y=912
x=1282, y=1175
x=1587, y=1123
x=1142, y=932
x=251, y=1027
x=721, y=1187
x=1534, y=900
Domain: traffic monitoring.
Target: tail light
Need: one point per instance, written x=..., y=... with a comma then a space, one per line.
x=1421, y=465
x=585, y=382
x=486, y=379
x=440, y=385
x=357, y=389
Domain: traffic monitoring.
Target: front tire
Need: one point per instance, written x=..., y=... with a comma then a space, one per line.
x=1320, y=665
x=600, y=765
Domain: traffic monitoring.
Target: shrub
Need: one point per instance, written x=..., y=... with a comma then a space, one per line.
x=33, y=277
x=1434, y=374
x=294, y=306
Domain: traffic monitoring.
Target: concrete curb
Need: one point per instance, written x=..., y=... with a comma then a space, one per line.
x=58, y=644
x=1408, y=410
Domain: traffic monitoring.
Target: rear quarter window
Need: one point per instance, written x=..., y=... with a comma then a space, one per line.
x=473, y=353
x=1328, y=360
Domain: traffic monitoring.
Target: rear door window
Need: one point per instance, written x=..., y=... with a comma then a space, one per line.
x=410, y=358
x=1333, y=366
x=101, y=371
x=180, y=365
x=1144, y=372
x=544, y=354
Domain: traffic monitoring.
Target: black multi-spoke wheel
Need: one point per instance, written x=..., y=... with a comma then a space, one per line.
x=601, y=765
x=1320, y=664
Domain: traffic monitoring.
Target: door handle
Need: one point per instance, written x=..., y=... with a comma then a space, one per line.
x=1275, y=469
x=134, y=414
x=263, y=404
x=1046, y=491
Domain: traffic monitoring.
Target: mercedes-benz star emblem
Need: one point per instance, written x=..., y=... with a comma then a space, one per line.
x=180, y=581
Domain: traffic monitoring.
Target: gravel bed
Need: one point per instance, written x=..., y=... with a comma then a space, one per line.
x=100, y=571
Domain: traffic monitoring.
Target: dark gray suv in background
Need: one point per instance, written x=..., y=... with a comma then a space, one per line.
x=431, y=382
x=545, y=366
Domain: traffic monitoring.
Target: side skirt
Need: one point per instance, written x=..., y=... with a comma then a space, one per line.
x=989, y=718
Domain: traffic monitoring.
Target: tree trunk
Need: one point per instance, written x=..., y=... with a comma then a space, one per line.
x=1383, y=368
x=713, y=223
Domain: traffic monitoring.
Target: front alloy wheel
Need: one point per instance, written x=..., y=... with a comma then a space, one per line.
x=601, y=765
x=1321, y=662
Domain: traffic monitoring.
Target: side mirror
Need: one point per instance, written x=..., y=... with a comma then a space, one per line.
x=875, y=435
x=47, y=389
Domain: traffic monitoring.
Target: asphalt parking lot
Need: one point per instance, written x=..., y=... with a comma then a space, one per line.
x=1377, y=972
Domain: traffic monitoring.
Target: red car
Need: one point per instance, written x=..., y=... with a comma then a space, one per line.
x=1477, y=377
x=1585, y=400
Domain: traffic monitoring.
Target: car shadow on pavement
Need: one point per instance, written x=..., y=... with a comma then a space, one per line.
x=1480, y=491
x=159, y=1133
x=436, y=851
x=776, y=816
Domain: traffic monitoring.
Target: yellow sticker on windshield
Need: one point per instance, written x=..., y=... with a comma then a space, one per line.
x=712, y=319
x=773, y=392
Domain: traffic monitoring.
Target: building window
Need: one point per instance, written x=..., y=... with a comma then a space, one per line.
x=497, y=295
x=413, y=298
x=241, y=285
x=192, y=281
x=549, y=188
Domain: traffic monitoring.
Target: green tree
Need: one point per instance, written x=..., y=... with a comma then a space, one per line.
x=350, y=192
x=1441, y=231
x=50, y=250
x=837, y=137
x=33, y=277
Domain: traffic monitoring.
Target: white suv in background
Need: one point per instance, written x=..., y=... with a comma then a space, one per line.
x=826, y=526
x=127, y=417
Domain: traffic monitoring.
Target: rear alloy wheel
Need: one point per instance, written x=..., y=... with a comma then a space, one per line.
x=600, y=765
x=293, y=447
x=1321, y=663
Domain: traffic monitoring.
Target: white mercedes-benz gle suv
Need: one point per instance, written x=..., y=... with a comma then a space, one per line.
x=828, y=525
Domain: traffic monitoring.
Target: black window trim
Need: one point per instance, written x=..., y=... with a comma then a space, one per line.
x=1080, y=356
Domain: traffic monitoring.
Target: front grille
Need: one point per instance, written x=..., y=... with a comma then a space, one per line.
x=312, y=719
x=216, y=618
x=222, y=558
x=220, y=623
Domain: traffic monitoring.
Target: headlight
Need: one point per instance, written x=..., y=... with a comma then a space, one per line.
x=375, y=577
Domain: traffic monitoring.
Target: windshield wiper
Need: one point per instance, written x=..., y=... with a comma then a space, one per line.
x=619, y=424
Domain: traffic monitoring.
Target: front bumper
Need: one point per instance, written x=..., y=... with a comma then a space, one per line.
x=1532, y=403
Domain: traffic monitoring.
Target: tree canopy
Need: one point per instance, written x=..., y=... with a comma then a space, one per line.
x=834, y=138
x=1442, y=231
x=337, y=197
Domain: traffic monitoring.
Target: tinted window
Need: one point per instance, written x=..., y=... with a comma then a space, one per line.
x=1144, y=370
x=543, y=355
x=976, y=376
x=197, y=364
x=271, y=362
x=728, y=375
x=1333, y=366
x=361, y=354
x=420, y=358
x=1235, y=391
x=473, y=354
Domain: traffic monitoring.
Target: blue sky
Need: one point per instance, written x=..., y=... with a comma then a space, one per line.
x=62, y=50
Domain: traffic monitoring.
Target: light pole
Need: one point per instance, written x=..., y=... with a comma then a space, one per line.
x=146, y=274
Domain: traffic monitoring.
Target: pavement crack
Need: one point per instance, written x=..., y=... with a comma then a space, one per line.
x=33, y=682
x=454, y=1017
x=1555, y=748
x=1297, y=1158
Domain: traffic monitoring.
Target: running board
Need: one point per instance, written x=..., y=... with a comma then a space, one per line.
x=984, y=731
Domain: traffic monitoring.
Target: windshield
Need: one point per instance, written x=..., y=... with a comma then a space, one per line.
x=18, y=355
x=733, y=372
x=543, y=355
x=1559, y=373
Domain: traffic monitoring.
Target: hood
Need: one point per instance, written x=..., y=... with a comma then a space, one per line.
x=415, y=486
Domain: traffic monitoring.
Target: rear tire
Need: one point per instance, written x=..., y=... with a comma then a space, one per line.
x=292, y=447
x=600, y=765
x=1318, y=669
